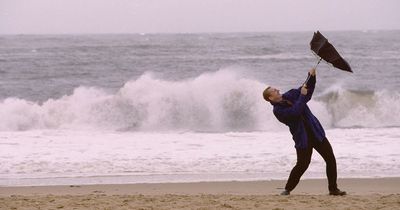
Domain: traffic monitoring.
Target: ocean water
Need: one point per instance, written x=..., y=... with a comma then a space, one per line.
x=141, y=108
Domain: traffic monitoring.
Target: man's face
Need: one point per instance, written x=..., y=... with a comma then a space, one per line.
x=274, y=94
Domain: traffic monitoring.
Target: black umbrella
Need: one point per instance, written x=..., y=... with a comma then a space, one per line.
x=325, y=50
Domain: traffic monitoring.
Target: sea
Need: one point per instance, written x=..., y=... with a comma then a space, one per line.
x=161, y=108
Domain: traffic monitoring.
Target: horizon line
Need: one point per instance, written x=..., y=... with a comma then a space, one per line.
x=211, y=32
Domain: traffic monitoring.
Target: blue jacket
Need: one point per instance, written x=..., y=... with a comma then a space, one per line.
x=297, y=113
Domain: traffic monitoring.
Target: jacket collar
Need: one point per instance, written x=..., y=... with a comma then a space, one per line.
x=284, y=102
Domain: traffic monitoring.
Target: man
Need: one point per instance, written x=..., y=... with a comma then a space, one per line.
x=292, y=110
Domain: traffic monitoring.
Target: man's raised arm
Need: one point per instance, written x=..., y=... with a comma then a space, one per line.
x=310, y=84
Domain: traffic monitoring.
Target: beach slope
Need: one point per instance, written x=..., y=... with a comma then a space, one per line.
x=376, y=193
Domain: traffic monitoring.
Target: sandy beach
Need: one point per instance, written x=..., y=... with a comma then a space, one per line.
x=377, y=193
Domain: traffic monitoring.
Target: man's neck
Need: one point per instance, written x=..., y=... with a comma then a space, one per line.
x=277, y=101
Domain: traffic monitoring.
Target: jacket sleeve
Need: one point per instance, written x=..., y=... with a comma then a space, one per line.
x=310, y=86
x=285, y=114
x=311, y=82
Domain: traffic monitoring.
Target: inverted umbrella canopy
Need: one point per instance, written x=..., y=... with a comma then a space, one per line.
x=325, y=50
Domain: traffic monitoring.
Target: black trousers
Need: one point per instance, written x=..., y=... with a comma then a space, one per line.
x=324, y=148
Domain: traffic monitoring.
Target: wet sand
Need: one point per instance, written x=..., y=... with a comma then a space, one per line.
x=377, y=193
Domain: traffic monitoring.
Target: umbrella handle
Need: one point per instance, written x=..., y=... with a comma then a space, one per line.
x=315, y=67
x=319, y=61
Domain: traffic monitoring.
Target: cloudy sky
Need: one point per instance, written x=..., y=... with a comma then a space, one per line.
x=192, y=16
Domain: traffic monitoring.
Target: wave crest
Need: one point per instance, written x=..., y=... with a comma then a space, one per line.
x=354, y=108
x=212, y=102
x=220, y=101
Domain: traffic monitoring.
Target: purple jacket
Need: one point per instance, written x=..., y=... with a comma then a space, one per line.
x=296, y=114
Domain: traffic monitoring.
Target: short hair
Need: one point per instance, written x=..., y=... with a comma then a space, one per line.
x=266, y=94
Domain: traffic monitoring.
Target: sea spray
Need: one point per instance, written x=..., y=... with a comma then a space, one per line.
x=217, y=102
x=355, y=108
x=212, y=102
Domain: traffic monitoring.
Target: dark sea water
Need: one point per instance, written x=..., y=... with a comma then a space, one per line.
x=39, y=67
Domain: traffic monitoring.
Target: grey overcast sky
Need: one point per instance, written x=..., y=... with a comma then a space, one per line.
x=192, y=16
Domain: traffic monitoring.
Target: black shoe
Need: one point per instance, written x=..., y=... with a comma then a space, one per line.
x=337, y=192
x=285, y=192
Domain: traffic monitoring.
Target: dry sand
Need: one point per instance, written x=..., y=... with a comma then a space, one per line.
x=382, y=193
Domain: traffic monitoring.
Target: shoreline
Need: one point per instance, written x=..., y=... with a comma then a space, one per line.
x=356, y=186
x=363, y=193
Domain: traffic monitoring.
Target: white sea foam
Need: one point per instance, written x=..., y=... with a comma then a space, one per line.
x=211, y=102
x=90, y=157
x=354, y=108
x=218, y=102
